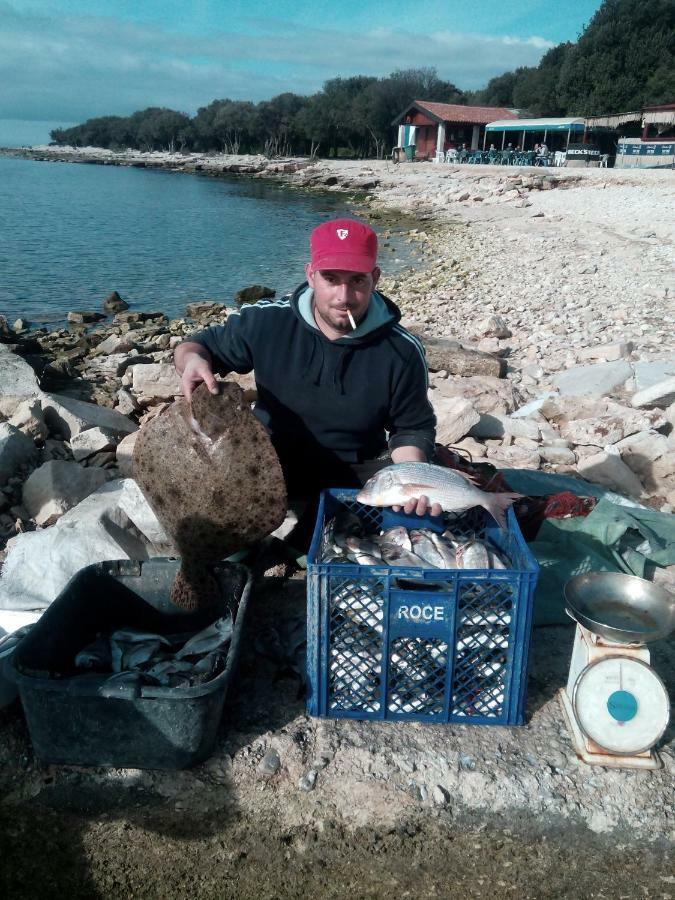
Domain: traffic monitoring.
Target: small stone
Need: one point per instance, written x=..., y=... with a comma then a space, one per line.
x=307, y=782
x=466, y=763
x=440, y=796
x=270, y=763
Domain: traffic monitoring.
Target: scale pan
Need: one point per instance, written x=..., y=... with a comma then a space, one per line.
x=621, y=608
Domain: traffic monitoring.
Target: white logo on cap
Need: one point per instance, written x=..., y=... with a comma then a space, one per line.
x=342, y=233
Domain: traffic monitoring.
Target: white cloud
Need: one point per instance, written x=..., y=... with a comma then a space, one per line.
x=73, y=68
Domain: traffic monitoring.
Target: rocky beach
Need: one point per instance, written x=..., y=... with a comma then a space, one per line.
x=546, y=302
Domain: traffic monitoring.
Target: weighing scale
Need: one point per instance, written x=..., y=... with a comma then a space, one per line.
x=616, y=706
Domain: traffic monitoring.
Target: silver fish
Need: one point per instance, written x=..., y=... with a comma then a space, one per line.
x=473, y=555
x=364, y=559
x=452, y=490
x=396, y=535
x=363, y=545
x=424, y=547
x=396, y=555
x=445, y=550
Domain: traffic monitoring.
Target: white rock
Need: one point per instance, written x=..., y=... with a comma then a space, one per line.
x=486, y=393
x=125, y=453
x=476, y=450
x=647, y=373
x=58, y=486
x=455, y=416
x=40, y=563
x=117, y=343
x=88, y=442
x=532, y=407
x=493, y=425
x=608, y=469
x=134, y=505
x=609, y=352
x=596, y=380
x=661, y=394
x=514, y=457
x=16, y=449
x=17, y=379
x=28, y=417
x=154, y=382
x=68, y=417
x=126, y=404
x=560, y=456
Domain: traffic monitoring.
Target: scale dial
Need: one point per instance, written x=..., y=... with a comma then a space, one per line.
x=621, y=704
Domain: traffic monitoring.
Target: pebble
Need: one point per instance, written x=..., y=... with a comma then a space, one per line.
x=270, y=763
x=308, y=781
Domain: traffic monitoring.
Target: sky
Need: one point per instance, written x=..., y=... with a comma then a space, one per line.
x=63, y=61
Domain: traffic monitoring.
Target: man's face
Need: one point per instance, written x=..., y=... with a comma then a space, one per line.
x=335, y=292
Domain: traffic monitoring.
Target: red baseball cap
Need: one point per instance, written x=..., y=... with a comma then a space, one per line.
x=343, y=244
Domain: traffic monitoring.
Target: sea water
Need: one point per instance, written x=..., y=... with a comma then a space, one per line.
x=71, y=233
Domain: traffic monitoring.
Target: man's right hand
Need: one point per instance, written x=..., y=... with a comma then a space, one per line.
x=193, y=363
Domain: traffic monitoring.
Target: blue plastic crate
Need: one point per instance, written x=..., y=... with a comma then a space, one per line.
x=422, y=644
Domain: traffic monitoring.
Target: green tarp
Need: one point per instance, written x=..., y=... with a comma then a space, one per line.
x=613, y=538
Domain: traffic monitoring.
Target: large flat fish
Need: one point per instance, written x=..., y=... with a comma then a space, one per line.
x=452, y=490
x=209, y=471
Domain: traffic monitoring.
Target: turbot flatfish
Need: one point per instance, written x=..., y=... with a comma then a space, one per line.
x=209, y=471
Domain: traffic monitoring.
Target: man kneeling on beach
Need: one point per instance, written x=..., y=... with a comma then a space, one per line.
x=342, y=386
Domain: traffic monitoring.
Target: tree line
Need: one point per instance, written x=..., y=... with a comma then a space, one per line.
x=623, y=60
x=349, y=116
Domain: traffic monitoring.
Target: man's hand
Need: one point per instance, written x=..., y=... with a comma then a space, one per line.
x=193, y=364
x=420, y=504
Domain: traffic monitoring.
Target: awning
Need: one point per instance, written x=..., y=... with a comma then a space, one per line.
x=536, y=125
x=613, y=121
x=660, y=117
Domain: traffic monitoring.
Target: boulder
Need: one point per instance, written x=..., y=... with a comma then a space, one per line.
x=67, y=417
x=84, y=317
x=661, y=394
x=16, y=450
x=494, y=425
x=472, y=447
x=6, y=333
x=29, y=418
x=154, y=382
x=453, y=358
x=647, y=373
x=116, y=343
x=91, y=441
x=132, y=318
x=608, y=352
x=607, y=468
x=534, y=406
x=596, y=380
x=514, y=457
x=113, y=303
x=455, y=416
x=200, y=309
x=487, y=394
x=126, y=405
x=58, y=486
x=640, y=453
x=40, y=563
x=494, y=327
x=17, y=379
x=253, y=293
x=559, y=456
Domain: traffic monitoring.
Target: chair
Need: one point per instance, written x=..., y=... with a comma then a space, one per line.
x=451, y=156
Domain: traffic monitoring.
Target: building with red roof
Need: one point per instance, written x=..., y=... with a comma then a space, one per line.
x=438, y=127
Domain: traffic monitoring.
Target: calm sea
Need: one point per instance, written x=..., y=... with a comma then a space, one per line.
x=70, y=234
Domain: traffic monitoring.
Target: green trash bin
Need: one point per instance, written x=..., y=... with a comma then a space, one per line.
x=410, y=152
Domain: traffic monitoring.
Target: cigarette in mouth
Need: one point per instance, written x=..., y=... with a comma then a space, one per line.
x=351, y=320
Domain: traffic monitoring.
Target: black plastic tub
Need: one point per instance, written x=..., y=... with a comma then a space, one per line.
x=73, y=719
